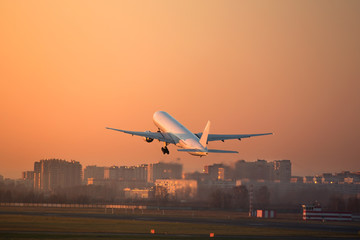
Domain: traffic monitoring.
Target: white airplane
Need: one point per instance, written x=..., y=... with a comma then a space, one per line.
x=172, y=132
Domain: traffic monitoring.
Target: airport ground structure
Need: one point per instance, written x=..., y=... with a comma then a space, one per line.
x=218, y=186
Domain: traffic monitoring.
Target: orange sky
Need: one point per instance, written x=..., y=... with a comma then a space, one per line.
x=68, y=69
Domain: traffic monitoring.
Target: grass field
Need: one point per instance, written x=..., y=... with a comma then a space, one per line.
x=51, y=226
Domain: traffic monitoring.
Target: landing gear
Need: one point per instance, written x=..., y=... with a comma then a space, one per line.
x=165, y=150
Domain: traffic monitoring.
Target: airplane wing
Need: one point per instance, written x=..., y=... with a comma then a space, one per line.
x=222, y=137
x=163, y=137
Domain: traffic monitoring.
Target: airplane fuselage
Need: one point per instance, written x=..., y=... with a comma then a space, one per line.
x=170, y=131
x=182, y=137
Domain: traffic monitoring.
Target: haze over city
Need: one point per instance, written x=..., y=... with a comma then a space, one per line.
x=69, y=69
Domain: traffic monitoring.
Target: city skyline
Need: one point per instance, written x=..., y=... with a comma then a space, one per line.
x=185, y=164
x=241, y=187
x=61, y=181
x=204, y=169
x=187, y=169
x=63, y=171
x=150, y=180
x=69, y=69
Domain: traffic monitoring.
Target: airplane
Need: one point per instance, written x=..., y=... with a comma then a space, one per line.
x=170, y=131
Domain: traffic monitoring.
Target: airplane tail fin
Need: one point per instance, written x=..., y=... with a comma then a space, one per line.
x=204, y=136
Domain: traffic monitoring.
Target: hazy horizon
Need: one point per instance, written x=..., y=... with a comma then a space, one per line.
x=186, y=166
x=71, y=68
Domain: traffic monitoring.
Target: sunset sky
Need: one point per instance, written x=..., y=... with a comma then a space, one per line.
x=68, y=69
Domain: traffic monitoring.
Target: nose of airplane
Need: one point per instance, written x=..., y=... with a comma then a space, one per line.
x=159, y=115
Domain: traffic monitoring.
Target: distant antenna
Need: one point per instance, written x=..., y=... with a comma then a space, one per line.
x=251, y=198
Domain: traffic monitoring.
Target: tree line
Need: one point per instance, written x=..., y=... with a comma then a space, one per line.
x=237, y=198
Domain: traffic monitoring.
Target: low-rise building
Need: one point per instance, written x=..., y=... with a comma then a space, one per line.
x=136, y=193
x=180, y=189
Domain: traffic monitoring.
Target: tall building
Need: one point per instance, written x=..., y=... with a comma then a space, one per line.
x=163, y=170
x=217, y=172
x=122, y=176
x=126, y=173
x=111, y=173
x=28, y=175
x=37, y=175
x=94, y=172
x=28, y=178
x=282, y=170
x=260, y=169
x=54, y=173
x=138, y=173
x=141, y=172
x=278, y=170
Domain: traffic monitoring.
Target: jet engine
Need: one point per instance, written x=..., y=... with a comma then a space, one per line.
x=147, y=139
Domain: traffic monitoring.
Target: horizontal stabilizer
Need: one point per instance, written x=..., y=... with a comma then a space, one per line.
x=221, y=151
x=189, y=150
x=209, y=150
x=222, y=137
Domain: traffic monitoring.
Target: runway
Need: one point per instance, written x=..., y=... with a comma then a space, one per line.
x=326, y=228
x=87, y=235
